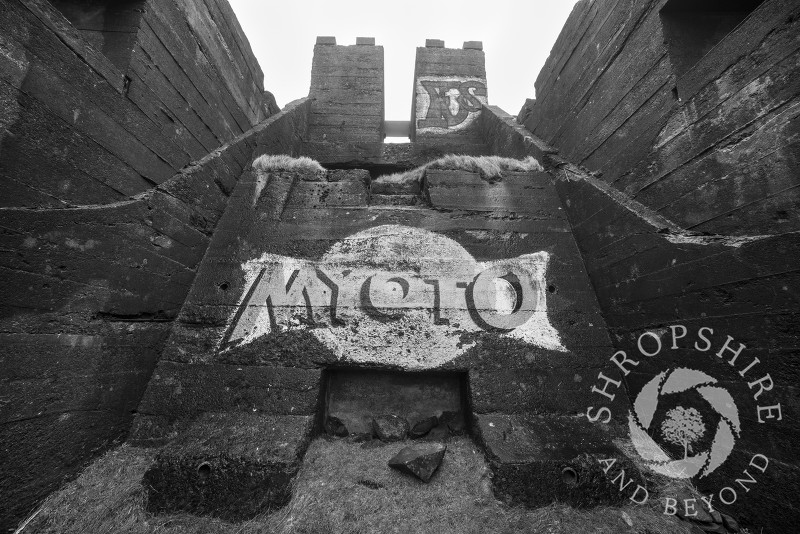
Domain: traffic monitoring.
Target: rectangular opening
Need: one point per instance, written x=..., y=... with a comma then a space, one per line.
x=109, y=26
x=357, y=396
x=693, y=27
x=397, y=128
x=397, y=131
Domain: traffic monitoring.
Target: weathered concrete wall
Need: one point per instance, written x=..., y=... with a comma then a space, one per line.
x=712, y=146
x=103, y=133
x=113, y=182
x=314, y=270
x=649, y=273
x=347, y=91
x=347, y=121
x=449, y=90
x=325, y=223
x=647, y=278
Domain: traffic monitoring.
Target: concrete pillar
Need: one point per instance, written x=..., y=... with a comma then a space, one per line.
x=449, y=89
x=347, y=91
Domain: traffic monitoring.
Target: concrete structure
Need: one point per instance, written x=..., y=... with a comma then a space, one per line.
x=166, y=287
x=705, y=144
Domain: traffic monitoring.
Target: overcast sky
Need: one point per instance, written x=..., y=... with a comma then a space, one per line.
x=517, y=37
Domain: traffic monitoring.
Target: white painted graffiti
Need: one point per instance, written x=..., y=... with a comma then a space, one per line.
x=446, y=104
x=395, y=295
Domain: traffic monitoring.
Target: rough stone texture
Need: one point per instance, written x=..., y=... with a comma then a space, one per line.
x=713, y=147
x=529, y=455
x=335, y=427
x=421, y=459
x=422, y=427
x=438, y=433
x=229, y=465
x=454, y=421
x=390, y=428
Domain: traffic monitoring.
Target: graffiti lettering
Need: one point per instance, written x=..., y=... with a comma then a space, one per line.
x=502, y=297
x=397, y=295
x=448, y=103
x=273, y=300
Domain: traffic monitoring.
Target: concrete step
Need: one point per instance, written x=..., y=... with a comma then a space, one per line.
x=541, y=459
x=229, y=465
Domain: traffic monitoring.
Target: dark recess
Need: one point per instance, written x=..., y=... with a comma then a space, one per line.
x=375, y=169
x=693, y=27
x=110, y=26
x=409, y=385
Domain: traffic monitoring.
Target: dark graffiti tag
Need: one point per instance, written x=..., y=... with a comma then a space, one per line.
x=448, y=103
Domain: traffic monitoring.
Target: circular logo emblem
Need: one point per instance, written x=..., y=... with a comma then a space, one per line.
x=656, y=413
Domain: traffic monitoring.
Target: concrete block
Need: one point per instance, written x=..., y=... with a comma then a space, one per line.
x=538, y=460
x=473, y=45
x=434, y=43
x=326, y=40
x=367, y=41
x=229, y=465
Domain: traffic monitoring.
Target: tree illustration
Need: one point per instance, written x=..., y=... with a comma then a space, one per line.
x=683, y=427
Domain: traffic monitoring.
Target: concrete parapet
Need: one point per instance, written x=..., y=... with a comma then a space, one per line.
x=449, y=90
x=347, y=91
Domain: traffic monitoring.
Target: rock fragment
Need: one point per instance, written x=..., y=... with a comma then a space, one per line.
x=421, y=459
x=336, y=427
x=423, y=426
x=390, y=428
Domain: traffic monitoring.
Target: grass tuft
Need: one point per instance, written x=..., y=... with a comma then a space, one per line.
x=489, y=167
x=399, y=178
x=282, y=162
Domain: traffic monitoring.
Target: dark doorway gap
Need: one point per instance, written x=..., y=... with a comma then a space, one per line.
x=356, y=395
x=109, y=26
x=693, y=27
x=375, y=169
